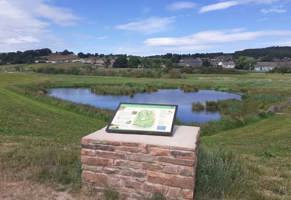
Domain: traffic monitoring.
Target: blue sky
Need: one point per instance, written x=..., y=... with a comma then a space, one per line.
x=144, y=27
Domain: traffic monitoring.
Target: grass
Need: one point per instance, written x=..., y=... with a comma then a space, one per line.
x=245, y=155
x=265, y=147
x=124, y=89
x=220, y=175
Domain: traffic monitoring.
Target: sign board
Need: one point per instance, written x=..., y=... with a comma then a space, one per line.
x=151, y=119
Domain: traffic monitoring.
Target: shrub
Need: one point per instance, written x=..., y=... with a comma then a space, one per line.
x=198, y=106
x=189, y=88
x=125, y=89
x=212, y=106
x=282, y=70
x=175, y=73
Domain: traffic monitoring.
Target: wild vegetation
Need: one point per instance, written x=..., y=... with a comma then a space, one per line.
x=247, y=152
x=198, y=107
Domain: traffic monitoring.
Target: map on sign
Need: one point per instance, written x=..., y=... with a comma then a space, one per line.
x=154, y=119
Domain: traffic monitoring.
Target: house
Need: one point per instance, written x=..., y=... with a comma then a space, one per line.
x=59, y=58
x=284, y=63
x=190, y=62
x=226, y=64
x=265, y=66
x=99, y=62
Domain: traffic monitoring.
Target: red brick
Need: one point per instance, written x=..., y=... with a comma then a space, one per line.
x=144, y=148
x=125, y=164
x=109, y=170
x=88, y=152
x=100, y=180
x=92, y=168
x=176, y=161
x=188, y=155
x=152, y=167
x=129, y=149
x=140, y=157
x=111, y=143
x=85, y=141
x=130, y=183
x=170, y=180
x=170, y=169
x=114, y=182
x=130, y=144
x=159, y=151
x=187, y=194
x=174, y=193
x=109, y=154
x=152, y=188
x=99, y=147
x=96, y=161
x=187, y=171
x=132, y=173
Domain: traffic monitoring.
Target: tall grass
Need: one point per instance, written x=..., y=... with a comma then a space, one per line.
x=43, y=160
x=124, y=89
x=220, y=175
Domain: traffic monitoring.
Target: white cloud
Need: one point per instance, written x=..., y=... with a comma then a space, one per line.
x=24, y=26
x=218, y=6
x=228, y=4
x=181, y=5
x=21, y=40
x=215, y=37
x=60, y=16
x=273, y=10
x=148, y=26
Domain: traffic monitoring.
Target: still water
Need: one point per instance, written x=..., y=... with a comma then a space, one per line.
x=163, y=96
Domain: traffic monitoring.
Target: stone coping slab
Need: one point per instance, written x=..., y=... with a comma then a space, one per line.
x=183, y=137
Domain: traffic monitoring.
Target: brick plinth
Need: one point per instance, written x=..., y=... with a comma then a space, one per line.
x=137, y=166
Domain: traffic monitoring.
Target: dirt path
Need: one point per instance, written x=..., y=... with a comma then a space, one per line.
x=25, y=190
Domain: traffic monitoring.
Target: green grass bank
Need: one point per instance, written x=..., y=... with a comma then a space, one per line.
x=246, y=155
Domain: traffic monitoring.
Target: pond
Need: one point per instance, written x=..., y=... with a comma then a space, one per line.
x=183, y=99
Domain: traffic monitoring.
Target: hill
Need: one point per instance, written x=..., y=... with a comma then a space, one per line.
x=267, y=54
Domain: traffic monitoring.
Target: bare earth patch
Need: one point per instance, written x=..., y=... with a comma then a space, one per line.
x=25, y=190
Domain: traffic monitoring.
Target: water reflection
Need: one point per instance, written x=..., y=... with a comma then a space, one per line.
x=163, y=96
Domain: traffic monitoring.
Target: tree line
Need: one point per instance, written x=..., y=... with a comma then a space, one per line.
x=244, y=59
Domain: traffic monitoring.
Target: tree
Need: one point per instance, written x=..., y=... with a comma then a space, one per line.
x=66, y=52
x=133, y=61
x=206, y=63
x=19, y=57
x=121, y=62
x=107, y=62
x=82, y=55
x=245, y=63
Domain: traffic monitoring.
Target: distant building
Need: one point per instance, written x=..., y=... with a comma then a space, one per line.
x=59, y=58
x=190, y=62
x=286, y=63
x=265, y=66
x=227, y=64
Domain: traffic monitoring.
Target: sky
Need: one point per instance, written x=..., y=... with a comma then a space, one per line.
x=144, y=27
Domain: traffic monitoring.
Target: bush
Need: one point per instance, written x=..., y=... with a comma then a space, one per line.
x=212, y=106
x=175, y=73
x=282, y=70
x=125, y=89
x=198, y=106
x=189, y=88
